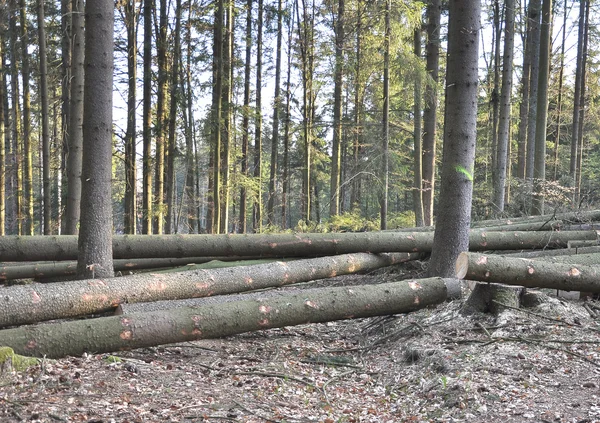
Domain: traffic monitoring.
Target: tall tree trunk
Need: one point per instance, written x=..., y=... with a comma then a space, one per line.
x=130, y=203
x=246, y=119
x=286, y=136
x=216, y=117
x=460, y=130
x=539, y=173
x=161, y=118
x=3, y=167
x=386, y=117
x=581, y=108
x=418, y=153
x=17, y=130
x=174, y=100
x=226, y=118
x=500, y=168
x=62, y=189
x=257, y=210
x=355, y=195
x=191, y=170
x=47, y=224
x=495, y=94
x=430, y=112
x=147, y=122
x=559, y=101
x=27, y=148
x=577, y=95
x=336, y=144
x=75, y=126
x=533, y=12
x=276, y=119
x=95, y=236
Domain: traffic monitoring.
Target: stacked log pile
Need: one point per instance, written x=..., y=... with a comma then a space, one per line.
x=316, y=256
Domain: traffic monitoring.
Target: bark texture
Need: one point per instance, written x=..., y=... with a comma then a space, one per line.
x=187, y=324
x=56, y=248
x=95, y=246
x=22, y=304
x=460, y=130
x=528, y=273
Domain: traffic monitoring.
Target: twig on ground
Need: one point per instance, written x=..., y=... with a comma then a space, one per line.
x=255, y=413
x=278, y=375
x=531, y=313
x=341, y=375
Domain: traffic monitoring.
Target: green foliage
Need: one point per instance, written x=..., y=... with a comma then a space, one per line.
x=351, y=222
x=400, y=220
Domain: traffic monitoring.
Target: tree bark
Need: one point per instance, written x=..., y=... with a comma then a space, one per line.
x=51, y=248
x=417, y=150
x=24, y=304
x=257, y=207
x=528, y=273
x=336, y=143
x=577, y=88
x=27, y=135
x=3, y=166
x=385, y=120
x=501, y=164
x=246, y=120
x=47, y=208
x=95, y=237
x=74, y=155
x=460, y=130
x=533, y=12
x=147, y=122
x=430, y=112
x=43, y=270
x=539, y=168
x=164, y=327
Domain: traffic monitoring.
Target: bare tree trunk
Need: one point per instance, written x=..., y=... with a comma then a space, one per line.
x=386, y=119
x=174, y=101
x=495, y=94
x=75, y=126
x=3, y=167
x=524, y=106
x=277, y=105
x=47, y=221
x=246, y=118
x=539, y=172
x=95, y=236
x=577, y=95
x=460, y=129
x=191, y=169
x=501, y=165
x=286, y=137
x=355, y=195
x=336, y=143
x=62, y=179
x=257, y=209
x=580, y=138
x=534, y=12
x=226, y=116
x=131, y=22
x=559, y=101
x=27, y=148
x=430, y=113
x=418, y=152
x=147, y=122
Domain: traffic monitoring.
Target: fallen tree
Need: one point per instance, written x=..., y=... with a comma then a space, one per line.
x=22, y=304
x=138, y=330
x=41, y=270
x=64, y=247
x=550, y=253
x=571, y=217
x=528, y=273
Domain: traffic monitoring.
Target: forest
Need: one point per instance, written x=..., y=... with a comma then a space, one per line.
x=235, y=117
x=299, y=210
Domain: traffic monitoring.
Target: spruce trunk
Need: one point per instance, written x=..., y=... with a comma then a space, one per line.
x=22, y=304
x=139, y=330
x=55, y=248
x=528, y=273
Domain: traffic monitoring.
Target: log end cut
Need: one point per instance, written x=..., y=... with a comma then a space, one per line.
x=462, y=265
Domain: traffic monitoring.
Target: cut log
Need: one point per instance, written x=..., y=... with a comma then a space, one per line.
x=572, y=217
x=528, y=273
x=138, y=330
x=64, y=247
x=128, y=308
x=23, y=304
x=550, y=253
x=41, y=270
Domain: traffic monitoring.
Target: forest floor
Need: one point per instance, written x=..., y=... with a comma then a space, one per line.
x=539, y=364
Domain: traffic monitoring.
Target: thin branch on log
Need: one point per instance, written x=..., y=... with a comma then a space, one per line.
x=139, y=330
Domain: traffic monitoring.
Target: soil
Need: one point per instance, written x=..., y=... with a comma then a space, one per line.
x=540, y=364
